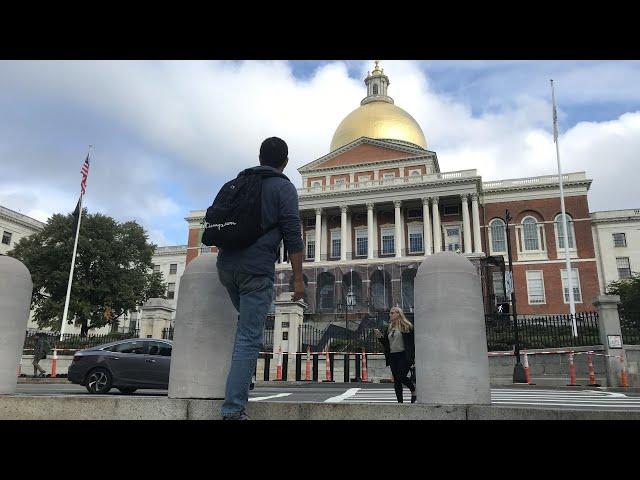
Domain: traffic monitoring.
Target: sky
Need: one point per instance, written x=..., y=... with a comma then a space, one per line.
x=167, y=134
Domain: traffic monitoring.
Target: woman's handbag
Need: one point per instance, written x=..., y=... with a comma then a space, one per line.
x=412, y=374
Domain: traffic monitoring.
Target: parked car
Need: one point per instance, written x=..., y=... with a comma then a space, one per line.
x=127, y=365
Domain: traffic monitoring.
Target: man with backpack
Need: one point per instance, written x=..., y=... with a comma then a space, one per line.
x=249, y=218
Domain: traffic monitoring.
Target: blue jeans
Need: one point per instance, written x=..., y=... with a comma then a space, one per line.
x=252, y=296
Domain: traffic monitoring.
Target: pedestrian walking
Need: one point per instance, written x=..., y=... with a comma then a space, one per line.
x=399, y=351
x=248, y=251
x=40, y=351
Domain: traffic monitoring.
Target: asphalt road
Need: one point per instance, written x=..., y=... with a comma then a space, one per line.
x=517, y=396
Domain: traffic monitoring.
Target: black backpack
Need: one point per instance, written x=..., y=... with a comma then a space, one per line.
x=233, y=221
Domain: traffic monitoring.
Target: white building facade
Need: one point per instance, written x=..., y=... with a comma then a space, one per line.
x=616, y=238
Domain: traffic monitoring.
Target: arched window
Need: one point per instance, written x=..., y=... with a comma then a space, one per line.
x=530, y=233
x=560, y=232
x=498, y=235
x=375, y=89
x=380, y=290
x=408, y=277
x=326, y=300
x=352, y=293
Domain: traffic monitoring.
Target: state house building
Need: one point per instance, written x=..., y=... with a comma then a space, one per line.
x=378, y=202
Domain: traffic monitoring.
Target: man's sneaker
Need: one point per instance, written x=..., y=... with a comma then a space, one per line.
x=239, y=416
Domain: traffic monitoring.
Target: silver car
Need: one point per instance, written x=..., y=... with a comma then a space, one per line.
x=127, y=365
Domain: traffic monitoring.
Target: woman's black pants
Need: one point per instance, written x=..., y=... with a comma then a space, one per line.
x=400, y=369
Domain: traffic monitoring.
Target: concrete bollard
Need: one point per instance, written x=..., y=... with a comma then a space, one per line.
x=205, y=327
x=15, y=302
x=451, y=344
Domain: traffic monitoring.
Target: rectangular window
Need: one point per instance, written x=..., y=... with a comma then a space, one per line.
x=498, y=288
x=156, y=268
x=364, y=179
x=535, y=286
x=575, y=283
x=619, y=240
x=414, y=213
x=339, y=184
x=624, y=267
x=173, y=268
x=451, y=210
x=171, y=289
x=316, y=185
x=452, y=238
x=311, y=245
x=335, y=243
x=416, y=244
x=362, y=243
x=6, y=237
x=388, y=240
x=388, y=177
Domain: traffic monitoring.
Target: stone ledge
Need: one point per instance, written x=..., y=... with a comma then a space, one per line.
x=81, y=407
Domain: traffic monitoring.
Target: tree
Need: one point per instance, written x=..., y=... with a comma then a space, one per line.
x=112, y=275
x=629, y=291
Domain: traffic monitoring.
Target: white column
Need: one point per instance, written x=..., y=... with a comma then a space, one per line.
x=318, y=233
x=477, y=242
x=398, y=239
x=352, y=177
x=343, y=232
x=370, y=234
x=281, y=252
x=426, y=225
x=375, y=175
x=466, y=226
x=327, y=182
x=324, y=240
x=437, y=234
x=350, y=237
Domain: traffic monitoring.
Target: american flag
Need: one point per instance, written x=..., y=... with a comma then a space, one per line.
x=85, y=173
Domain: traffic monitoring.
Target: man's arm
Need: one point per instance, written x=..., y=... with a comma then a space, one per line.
x=289, y=223
x=298, y=283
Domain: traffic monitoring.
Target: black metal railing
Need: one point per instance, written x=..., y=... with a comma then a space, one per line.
x=267, y=340
x=338, y=339
x=549, y=331
x=73, y=341
x=630, y=326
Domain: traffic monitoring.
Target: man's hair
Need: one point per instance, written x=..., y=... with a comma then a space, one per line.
x=273, y=152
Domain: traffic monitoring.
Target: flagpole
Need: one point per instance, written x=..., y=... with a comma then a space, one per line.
x=73, y=260
x=73, y=263
x=572, y=303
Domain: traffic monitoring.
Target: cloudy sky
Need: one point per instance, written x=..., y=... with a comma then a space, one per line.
x=168, y=134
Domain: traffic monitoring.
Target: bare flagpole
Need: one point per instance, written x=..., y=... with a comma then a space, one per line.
x=565, y=229
x=73, y=263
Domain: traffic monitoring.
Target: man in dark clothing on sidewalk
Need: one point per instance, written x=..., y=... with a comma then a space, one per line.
x=248, y=274
x=40, y=351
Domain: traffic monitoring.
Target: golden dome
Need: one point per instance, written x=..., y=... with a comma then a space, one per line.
x=381, y=120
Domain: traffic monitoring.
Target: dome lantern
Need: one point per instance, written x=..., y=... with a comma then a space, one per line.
x=377, y=83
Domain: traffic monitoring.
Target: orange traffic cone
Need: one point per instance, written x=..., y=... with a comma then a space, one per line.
x=624, y=380
x=365, y=375
x=308, y=366
x=572, y=371
x=527, y=372
x=279, y=367
x=328, y=367
x=592, y=373
x=54, y=363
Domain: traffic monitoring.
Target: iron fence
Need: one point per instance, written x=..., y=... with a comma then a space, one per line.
x=630, y=326
x=338, y=339
x=267, y=340
x=167, y=333
x=550, y=331
x=74, y=341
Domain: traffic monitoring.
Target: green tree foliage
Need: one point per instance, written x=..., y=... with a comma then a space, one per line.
x=113, y=270
x=629, y=291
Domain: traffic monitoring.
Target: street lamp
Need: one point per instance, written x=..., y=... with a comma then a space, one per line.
x=518, y=371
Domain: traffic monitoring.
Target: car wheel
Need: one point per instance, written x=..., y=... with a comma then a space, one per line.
x=99, y=381
x=127, y=390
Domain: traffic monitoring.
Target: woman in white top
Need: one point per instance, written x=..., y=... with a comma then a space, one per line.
x=399, y=350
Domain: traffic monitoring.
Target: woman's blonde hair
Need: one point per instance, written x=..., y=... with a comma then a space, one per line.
x=404, y=324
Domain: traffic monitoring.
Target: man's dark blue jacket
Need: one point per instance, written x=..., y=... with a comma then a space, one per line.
x=280, y=208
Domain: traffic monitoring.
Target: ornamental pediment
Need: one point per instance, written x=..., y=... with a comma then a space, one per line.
x=363, y=151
